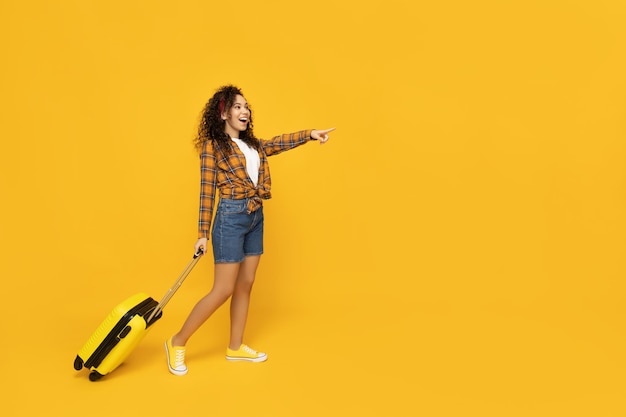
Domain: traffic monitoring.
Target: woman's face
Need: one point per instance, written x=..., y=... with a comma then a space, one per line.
x=237, y=117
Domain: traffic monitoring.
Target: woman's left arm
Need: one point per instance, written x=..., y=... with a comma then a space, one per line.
x=288, y=141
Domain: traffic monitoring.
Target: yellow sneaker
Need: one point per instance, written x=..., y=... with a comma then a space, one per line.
x=175, y=358
x=245, y=353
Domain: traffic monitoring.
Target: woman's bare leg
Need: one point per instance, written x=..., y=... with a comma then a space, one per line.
x=241, y=300
x=226, y=276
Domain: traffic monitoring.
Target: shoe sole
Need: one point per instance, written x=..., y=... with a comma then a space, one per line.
x=172, y=370
x=237, y=358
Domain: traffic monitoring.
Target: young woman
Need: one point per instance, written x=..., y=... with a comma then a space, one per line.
x=234, y=162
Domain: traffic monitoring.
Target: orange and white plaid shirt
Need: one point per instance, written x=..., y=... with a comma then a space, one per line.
x=228, y=174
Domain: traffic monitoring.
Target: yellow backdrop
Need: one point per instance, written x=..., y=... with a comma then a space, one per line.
x=456, y=249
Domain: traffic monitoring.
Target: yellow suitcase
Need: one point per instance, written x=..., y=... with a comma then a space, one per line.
x=122, y=330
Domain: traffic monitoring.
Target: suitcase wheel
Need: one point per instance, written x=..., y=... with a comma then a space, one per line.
x=95, y=375
x=78, y=363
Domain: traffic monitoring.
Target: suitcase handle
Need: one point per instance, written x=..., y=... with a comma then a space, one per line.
x=170, y=293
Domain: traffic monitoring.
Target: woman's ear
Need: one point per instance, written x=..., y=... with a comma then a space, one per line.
x=221, y=109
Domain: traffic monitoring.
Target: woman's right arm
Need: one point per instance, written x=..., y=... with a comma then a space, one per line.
x=208, y=176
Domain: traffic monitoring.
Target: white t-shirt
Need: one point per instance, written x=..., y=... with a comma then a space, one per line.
x=252, y=160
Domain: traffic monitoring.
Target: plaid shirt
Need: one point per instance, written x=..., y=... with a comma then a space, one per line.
x=228, y=174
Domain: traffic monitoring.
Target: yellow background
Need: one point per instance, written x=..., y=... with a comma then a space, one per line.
x=456, y=249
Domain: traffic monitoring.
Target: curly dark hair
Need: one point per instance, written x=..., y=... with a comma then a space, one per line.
x=212, y=126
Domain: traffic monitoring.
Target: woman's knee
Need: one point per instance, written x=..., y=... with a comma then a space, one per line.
x=244, y=282
x=223, y=292
x=225, y=280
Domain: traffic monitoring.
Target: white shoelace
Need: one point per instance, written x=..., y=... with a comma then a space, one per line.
x=180, y=357
x=249, y=350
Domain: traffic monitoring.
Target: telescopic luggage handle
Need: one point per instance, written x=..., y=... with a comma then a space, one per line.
x=170, y=293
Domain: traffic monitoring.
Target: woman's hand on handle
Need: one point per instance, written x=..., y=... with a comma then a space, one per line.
x=321, y=135
x=201, y=243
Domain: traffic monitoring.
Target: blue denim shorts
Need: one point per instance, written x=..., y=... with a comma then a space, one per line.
x=236, y=234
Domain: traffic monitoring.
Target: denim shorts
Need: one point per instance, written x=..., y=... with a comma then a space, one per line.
x=236, y=234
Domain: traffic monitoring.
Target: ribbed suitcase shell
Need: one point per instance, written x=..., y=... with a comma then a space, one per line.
x=116, y=337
